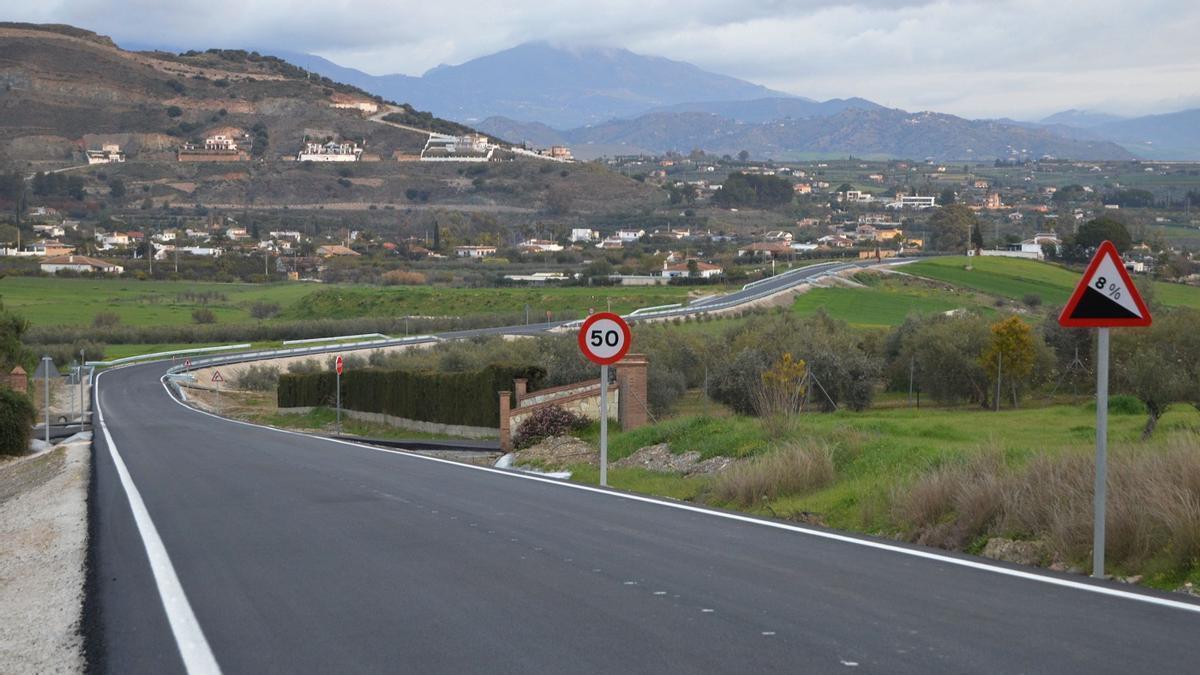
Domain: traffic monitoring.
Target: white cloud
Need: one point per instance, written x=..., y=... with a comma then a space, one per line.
x=1016, y=58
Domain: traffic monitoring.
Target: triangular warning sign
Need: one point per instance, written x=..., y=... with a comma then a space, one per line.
x=1106, y=296
x=216, y=376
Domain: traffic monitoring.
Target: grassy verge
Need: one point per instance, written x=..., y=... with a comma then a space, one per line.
x=951, y=478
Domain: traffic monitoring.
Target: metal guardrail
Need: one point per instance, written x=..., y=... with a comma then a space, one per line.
x=637, y=312
x=266, y=354
x=159, y=355
x=336, y=338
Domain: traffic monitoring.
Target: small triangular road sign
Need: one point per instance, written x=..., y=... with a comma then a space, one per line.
x=216, y=376
x=1106, y=296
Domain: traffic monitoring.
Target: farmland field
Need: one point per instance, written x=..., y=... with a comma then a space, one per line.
x=1014, y=278
x=884, y=304
x=75, y=302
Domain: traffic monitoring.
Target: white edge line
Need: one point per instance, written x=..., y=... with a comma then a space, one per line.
x=916, y=553
x=193, y=647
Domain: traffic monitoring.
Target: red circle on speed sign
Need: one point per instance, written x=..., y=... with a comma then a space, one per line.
x=604, y=338
x=339, y=364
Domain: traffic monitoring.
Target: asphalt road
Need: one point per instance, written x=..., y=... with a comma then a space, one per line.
x=301, y=554
x=279, y=552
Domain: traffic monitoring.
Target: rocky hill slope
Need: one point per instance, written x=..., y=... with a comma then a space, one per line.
x=63, y=90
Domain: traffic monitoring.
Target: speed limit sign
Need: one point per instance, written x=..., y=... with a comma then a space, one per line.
x=604, y=338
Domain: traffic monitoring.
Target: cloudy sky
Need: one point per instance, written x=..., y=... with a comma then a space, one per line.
x=977, y=58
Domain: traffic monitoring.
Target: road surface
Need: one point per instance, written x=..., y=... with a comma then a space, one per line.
x=224, y=547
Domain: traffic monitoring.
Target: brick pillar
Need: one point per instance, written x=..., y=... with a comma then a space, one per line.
x=18, y=379
x=505, y=434
x=520, y=384
x=631, y=381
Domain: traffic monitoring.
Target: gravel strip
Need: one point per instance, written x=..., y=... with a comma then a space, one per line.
x=43, y=547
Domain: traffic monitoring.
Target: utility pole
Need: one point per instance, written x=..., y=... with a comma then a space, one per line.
x=912, y=366
x=999, y=364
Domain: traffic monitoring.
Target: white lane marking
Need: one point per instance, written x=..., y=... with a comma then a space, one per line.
x=707, y=610
x=834, y=536
x=197, y=656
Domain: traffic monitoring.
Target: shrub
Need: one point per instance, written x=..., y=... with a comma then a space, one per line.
x=105, y=320
x=64, y=354
x=257, y=378
x=546, y=423
x=203, y=316
x=1153, y=515
x=403, y=278
x=16, y=422
x=1032, y=300
x=310, y=365
x=467, y=398
x=264, y=310
x=795, y=468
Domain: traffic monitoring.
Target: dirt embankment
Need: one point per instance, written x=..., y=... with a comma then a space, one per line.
x=43, y=527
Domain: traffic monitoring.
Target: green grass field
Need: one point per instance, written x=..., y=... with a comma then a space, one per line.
x=1015, y=278
x=75, y=302
x=881, y=306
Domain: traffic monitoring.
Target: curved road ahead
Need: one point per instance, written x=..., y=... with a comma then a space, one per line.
x=224, y=547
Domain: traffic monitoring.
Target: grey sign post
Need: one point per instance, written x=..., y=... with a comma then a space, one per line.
x=604, y=425
x=46, y=365
x=1099, y=494
x=1105, y=298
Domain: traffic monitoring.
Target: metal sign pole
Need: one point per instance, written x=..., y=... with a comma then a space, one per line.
x=1101, y=455
x=46, y=379
x=604, y=426
x=339, y=403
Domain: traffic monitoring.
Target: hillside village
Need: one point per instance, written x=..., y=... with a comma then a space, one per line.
x=234, y=165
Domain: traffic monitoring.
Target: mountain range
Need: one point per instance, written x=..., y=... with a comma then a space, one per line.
x=613, y=101
x=538, y=82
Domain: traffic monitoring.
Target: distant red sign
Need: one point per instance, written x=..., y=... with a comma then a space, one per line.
x=216, y=377
x=340, y=365
x=187, y=363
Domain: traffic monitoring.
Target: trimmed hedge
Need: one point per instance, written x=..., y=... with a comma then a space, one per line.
x=467, y=398
x=16, y=422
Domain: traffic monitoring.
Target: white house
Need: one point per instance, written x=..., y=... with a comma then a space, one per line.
x=474, y=251
x=584, y=234
x=49, y=230
x=913, y=202
x=107, y=153
x=541, y=246
x=80, y=263
x=628, y=236
x=703, y=270
x=330, y=152
x=202, y=251
x=220, y=142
